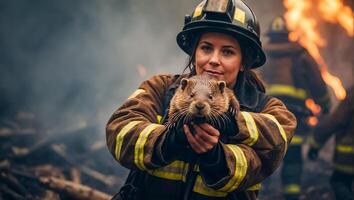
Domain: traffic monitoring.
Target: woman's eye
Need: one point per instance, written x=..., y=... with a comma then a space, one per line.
x=206, y=48
x=227, y=52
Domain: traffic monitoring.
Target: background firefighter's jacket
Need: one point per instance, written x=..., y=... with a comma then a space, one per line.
x=293, y=76
x=134, y=137
x=341, y=124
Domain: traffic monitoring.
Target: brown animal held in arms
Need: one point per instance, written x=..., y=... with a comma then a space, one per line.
x=202, y=98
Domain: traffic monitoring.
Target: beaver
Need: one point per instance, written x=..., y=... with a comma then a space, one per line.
x=202, y=98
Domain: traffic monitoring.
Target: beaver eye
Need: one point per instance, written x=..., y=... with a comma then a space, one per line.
x=192, y=95
x=210, y=96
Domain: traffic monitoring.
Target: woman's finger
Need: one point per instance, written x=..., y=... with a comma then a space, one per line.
x=209, y=129
x=205, y=137
x=194, y=144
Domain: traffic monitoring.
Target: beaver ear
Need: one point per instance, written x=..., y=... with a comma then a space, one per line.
x=222, y=85
x=184, y=83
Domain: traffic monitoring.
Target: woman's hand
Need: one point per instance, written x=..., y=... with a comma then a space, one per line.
x=205, y=137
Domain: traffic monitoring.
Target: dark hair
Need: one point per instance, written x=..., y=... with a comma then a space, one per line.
x=247, y=55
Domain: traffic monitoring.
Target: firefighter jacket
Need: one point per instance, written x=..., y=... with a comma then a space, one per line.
x=293, y=76
x=134, y=133
x=341, y=124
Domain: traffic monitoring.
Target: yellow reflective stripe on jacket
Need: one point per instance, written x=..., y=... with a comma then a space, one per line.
x=120, y=136
x=297, y=140
x=201, y=188
x=254, y=187
x=281, y=129
x=344, y=149
x=286, y=90
x=136, y=93
x=139, y=146
x=292, y=189
x=158, y=118
x=240, y=169
x=176, y=170
x=344, y=168
x=252, y=129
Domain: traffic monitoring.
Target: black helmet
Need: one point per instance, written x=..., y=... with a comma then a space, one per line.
x=233, y=17
x=278, y=30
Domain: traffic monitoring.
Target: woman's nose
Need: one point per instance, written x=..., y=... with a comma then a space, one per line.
x=215, y=59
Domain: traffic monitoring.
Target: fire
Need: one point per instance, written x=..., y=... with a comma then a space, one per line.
x=302, y=17
x=310, y=104
x=336, y=12
x=315, y=109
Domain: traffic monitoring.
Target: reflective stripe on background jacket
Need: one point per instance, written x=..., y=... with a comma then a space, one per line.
x=293, y=76
x=340, y=124
x=134, y=132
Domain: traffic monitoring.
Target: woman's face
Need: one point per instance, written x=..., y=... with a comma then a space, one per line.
x=218, y=55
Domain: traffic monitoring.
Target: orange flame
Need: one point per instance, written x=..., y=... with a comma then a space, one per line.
x=310, y=104
x=303, y=23
x=335, y=12
x=315, y=109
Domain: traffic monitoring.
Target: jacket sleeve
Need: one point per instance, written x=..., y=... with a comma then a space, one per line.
x=257, y=150
x=133, y=130
x=334, y=123
x=315, y=84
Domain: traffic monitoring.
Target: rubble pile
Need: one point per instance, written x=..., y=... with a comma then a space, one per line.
x=56, y=165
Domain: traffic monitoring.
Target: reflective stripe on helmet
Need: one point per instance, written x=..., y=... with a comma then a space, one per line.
x=217, y=6
x=240, y=15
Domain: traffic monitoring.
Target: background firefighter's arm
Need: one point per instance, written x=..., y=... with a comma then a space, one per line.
x=332, y=124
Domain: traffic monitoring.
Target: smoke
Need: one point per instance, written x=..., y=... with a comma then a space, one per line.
x=72, y=60
x=68, y=61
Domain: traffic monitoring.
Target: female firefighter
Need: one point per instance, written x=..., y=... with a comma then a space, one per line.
x=222, y=39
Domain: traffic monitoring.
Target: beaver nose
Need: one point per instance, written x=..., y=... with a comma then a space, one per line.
x=200, y=106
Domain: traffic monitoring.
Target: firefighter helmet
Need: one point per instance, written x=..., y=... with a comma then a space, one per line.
x=233, y=17
x=278, y=29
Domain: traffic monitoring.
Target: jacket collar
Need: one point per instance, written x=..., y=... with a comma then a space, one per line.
x=249, y=96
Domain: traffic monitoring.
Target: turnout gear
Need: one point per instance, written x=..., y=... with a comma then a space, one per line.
x=135, y=137
x=340, y=124
x=233, y=17
x=293, y=76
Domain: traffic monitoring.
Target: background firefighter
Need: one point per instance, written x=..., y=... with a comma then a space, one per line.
x=293, y=76
x=340, y=124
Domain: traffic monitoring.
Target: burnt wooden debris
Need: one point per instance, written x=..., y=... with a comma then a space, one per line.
x=44, y=164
